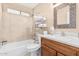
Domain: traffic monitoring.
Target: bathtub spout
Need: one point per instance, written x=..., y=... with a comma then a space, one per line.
x=4, y=42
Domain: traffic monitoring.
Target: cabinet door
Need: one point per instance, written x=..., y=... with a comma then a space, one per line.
x=57, y=46
x=46, y=51
x=59, y=54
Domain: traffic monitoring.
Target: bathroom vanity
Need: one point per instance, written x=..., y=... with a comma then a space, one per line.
x=54, y=48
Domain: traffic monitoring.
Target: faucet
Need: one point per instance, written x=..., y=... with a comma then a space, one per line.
x=3, y=42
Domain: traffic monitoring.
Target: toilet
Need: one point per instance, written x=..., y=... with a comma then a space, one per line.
x=33, y=49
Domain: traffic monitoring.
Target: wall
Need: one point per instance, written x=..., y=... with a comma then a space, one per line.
x=16, y=27
x=45, y=9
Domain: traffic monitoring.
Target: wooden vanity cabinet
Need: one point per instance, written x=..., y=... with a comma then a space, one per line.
x=54, y=48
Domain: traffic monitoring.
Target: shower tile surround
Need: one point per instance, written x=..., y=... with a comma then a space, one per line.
x=15, y=27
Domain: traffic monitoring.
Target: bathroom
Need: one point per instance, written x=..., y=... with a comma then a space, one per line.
x=39, y=29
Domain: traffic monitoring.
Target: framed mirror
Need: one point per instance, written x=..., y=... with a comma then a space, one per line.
x=65, y=16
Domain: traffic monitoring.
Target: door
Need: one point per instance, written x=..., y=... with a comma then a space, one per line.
x=46, y=51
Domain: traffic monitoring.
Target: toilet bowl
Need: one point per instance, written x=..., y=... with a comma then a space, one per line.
x=33, y=49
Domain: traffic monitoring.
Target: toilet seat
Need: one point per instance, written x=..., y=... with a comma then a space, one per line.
x=33, y=47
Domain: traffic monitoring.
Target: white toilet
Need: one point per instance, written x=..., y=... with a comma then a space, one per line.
x=33, y=49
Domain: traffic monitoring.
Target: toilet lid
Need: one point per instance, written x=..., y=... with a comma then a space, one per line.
x=33, y=47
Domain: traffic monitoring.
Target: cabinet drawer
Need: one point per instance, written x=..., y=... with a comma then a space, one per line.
x=59, y=47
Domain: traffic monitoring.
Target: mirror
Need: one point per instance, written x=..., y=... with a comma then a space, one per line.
x=65, y=16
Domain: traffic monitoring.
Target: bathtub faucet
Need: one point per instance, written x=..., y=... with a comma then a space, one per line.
x=4, y=42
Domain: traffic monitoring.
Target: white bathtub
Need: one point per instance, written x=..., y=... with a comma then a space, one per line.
x=20, y=48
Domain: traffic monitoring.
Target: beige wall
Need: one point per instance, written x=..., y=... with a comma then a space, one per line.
x=47, y=10
x=16, y=27
x=44, y=9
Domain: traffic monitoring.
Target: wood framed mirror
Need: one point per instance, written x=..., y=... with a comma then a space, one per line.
x=65, y=16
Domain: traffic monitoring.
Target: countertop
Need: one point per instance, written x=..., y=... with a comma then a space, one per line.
x=69, y=40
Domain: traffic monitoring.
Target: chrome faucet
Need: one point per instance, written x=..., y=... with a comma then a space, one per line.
x=3, y=42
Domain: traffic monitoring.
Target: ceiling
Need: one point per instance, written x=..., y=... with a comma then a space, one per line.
x=30, y=5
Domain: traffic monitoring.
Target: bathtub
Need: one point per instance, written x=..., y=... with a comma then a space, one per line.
x=20, y=48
